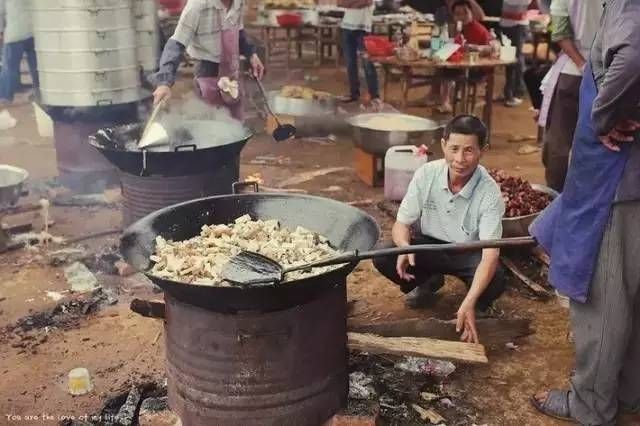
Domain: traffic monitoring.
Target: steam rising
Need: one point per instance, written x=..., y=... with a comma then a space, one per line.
x=209, y=126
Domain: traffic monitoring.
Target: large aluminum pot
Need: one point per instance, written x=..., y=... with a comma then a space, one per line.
x=301, y=107
x=374, y=140
x=519, y=226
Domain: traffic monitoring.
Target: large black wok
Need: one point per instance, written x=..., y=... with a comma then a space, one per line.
x=347, y=228
x=181, y=158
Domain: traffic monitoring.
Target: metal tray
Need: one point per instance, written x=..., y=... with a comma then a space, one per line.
x=300, y=107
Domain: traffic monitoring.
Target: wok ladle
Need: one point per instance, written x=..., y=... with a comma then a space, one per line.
x=283, y=131
x=254, y=269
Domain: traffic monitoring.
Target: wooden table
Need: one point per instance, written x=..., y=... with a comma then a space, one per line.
x=485, y=64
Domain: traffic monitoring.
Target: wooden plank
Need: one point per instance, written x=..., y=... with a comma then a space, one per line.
x=492, y=331
x=471, y=353
x=533, y=286
x=541, y=255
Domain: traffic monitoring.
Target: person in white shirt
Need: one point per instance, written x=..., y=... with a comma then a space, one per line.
x=17, y=36
x=450, y=200
x=211, y=32
x=356, y=24
x=575, y=23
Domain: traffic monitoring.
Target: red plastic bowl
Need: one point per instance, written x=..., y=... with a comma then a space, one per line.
x=289, y=20
x=378, y=46
x=174, y=7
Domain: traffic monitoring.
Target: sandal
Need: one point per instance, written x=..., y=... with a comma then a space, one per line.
x=555, y=405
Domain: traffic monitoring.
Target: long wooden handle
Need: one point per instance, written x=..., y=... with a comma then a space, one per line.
x=353, y=256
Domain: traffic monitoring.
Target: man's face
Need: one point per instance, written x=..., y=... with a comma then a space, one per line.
x=462, y=13
x=462, y=154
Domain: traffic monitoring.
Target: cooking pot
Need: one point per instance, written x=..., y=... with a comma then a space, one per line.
x=346, y=227
x=375, y=141
x=183, y=156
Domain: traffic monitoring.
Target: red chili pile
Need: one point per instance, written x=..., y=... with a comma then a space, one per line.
x=520, y=198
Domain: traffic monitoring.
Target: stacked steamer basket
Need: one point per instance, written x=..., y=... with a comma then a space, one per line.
x=89, y=79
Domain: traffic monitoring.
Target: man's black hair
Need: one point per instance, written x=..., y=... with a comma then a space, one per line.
x=461, y=3
x=467, y=125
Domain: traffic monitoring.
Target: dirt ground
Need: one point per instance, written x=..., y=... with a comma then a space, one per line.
x=121, y=348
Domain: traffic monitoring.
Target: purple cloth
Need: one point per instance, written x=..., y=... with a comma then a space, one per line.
x=571, y=228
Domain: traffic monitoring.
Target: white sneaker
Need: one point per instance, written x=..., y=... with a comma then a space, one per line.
x=513, y=102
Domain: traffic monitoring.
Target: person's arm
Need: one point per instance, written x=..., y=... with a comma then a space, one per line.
x=562, y=31
x=354, y=4
x=619, y=94
x=489, y=228
x=176, y=45
x=477, y=11
x=169, y=62
x=485, y=272
x=408, y=214
x=247, y=49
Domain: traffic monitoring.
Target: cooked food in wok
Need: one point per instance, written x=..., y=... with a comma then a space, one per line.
x=199, y=260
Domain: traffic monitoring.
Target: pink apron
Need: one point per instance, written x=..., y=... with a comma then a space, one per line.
x=207, y=87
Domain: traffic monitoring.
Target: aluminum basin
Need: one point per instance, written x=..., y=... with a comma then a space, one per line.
x=376, y=141
x=12, y=180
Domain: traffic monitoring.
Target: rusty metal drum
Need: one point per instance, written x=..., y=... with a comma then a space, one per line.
x=286, y=367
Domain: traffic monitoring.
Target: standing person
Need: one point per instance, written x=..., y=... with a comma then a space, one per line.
x=514, y=25
x=575, y=23
x=211, y=32
x=356, y=24
x=591, y=230
x=16, y=33
x=450, y=200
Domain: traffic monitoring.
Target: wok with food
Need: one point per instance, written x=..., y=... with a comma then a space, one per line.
x=329, y=224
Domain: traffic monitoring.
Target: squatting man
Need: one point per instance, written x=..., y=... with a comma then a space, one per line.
x=450, y=200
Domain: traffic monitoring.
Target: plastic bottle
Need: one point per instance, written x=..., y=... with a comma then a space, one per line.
x=494, y=43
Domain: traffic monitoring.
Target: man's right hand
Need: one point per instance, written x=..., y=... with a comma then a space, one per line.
x=620, y=134
x=163, y=92
x=404, y=260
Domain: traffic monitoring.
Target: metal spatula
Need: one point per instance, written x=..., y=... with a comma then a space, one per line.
x=283, y=131
x=159, y=135
x=254, y=269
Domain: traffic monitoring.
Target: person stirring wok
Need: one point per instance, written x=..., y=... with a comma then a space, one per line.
x=212, y=32
x=451, y=200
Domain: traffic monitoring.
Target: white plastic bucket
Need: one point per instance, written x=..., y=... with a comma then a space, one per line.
x=400, y=163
